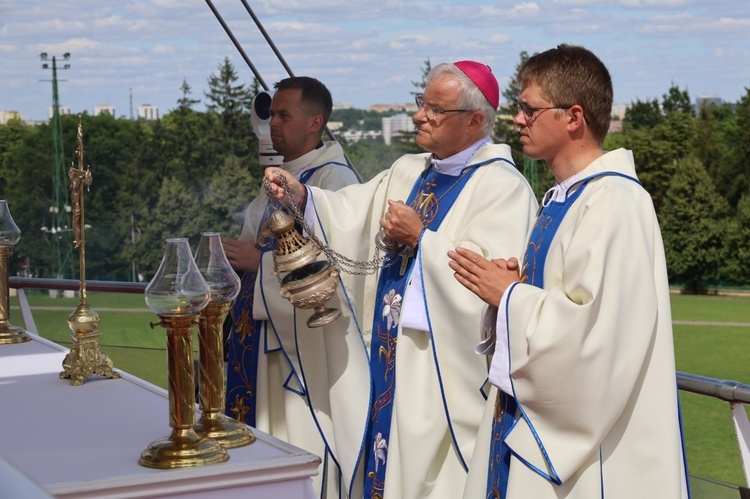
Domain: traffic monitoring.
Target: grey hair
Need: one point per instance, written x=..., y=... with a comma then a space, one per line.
x=469, y=97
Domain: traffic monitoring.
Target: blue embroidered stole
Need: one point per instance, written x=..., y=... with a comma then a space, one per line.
x=432, y=196
x=549, y=218
x=244, y=339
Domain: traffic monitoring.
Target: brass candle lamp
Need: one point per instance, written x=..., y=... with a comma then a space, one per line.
x=224, y=285
x=177, y=294
x=85, y=357
x=9, y=237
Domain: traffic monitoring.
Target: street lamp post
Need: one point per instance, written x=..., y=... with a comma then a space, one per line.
x=60, y=209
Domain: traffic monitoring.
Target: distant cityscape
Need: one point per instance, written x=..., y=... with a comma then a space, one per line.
x=146, y=112
x=391, y=126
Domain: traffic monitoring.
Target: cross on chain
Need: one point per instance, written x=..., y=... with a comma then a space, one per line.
x=406, y=254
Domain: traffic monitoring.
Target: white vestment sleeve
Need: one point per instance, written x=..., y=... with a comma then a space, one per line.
x=309, y=212
x=413, y=312
x=500, y=366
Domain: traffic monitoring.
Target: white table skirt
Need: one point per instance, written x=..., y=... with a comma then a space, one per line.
x=85, y=441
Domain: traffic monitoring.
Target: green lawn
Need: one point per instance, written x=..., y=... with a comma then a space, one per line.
x=716, y=351
x=126, y=336
x=721, y=352
x=711, y=308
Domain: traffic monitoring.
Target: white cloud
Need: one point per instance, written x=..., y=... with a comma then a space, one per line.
x=472, y=46
x=366, y=51
x=689, y=25
x=411, y=41
x=581, y=3
x=653, y=3
x=163, y=49
x=500, y=38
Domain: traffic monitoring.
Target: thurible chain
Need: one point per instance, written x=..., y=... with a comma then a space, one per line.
x=354, y=267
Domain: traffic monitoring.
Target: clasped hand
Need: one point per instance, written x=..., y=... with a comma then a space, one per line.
x=488, y=279
x=402, y=224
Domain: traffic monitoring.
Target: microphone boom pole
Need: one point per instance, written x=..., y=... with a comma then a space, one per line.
x=275, y=51
x=237, y=44
x=268, y=38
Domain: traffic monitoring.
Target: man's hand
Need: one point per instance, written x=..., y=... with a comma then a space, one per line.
x=488, y=279
x=402, y=224
x=273, y=175
x=241, y=255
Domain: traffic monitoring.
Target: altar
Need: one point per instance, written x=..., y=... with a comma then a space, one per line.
x=64, y=441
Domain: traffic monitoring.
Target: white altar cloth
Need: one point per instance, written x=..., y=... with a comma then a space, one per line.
x=85, y=441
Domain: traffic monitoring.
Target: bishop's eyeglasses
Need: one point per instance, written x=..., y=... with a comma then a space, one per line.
x=431, y=112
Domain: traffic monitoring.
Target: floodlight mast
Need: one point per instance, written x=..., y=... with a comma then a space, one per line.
x=60, y=209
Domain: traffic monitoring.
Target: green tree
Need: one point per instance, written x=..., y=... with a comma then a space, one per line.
x=710, y=140
x=678, y=126
x=505, y=130
x=536, y=172
x=422, y=83
x=654, y=157
x=146, y=165
x=26, y=168
x=107, y=142
x=177, y=213
x=735, y=268
x=225, y=97
x=659, y=135
x=734, y=175
x=405, y=142
x=193, y=144
x=165, y=178
x=642, y=115
x=694, y=225
x=185, y=102
x=371, y=156
x=361, y=119
x=677, y=101
x=231, y=102
x=226, y=207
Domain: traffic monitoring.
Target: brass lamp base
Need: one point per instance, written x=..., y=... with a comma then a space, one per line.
x=12, y=334
x=8, y=332
x=183, y=448
x=229, y=432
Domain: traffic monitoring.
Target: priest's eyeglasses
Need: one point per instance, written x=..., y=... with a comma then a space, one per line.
x=431, y=112
x=528, y=111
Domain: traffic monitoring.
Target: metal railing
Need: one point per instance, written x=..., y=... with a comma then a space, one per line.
x=22, y=283
x=734, y=393
x=74, y=284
